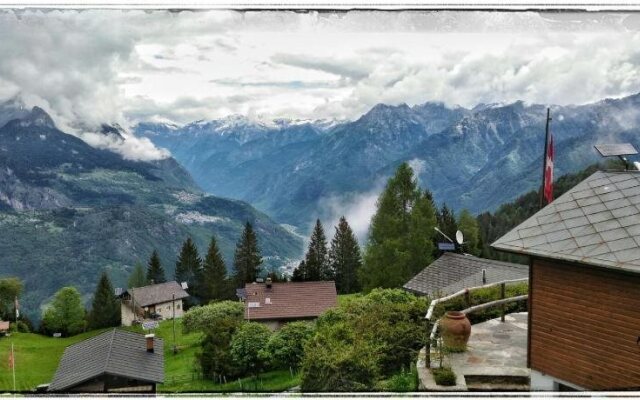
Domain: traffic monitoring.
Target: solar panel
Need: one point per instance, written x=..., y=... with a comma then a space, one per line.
x=616, y=149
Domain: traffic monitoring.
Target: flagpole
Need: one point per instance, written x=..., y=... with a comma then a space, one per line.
x=544, y=157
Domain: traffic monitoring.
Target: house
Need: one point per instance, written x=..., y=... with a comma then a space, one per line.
x=584, y=292
x=453, y=272
x=115, y=361
x=275, y=304
x=162, y=300
x=4, y=327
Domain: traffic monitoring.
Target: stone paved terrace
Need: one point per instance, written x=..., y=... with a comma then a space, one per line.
x=496, y=357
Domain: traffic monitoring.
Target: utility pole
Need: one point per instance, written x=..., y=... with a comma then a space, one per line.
x=544, y=158
x=175, y=349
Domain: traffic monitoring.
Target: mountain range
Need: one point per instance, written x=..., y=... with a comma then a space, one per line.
x=479, y=158
x=69, y=211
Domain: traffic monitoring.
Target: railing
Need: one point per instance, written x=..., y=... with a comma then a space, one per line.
x=467, y=293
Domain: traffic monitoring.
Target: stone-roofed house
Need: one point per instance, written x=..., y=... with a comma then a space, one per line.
x=275, y=304
x=584, y=291
x=115, y=361
x=151, y=300
x=452, y=272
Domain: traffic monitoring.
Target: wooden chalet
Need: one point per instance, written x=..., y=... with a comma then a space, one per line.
x=162, y=300
x=584, y=293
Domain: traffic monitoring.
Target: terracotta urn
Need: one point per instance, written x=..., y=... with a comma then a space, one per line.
x=456, y=329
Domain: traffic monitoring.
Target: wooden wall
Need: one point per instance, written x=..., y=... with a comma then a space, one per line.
x=585, y=324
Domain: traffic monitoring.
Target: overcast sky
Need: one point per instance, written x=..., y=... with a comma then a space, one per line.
x=92, y=66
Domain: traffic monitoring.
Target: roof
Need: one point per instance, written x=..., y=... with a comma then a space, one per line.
x=4, y=325
x=158, y=293
x=289, y=300
x=453, y=272
x=116, y=352
x=596, y=223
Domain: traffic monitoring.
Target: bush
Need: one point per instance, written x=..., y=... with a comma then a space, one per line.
x=203, y=318
x=404, y=381
x=286, y=347
x=385, y=327
x=444, y=376
x=336, y=361
x=248, y=347
x=218, y=321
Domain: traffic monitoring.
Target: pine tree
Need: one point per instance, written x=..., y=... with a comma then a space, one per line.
x=214, y=275
x=316, y=261
x=247, y=258
x=345, y=259
x=189, y=269
x=155, y=272
x=105, y=309
x=299, y=272
x=400, y=234
x=447, y=222
x=137, y=277
x=468, y=224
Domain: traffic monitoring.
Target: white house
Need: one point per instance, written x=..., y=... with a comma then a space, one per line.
x=163, y=299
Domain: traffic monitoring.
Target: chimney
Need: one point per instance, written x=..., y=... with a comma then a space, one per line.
x=269, y=283
x=149, y=338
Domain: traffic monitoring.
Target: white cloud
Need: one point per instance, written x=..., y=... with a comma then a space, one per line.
x=95, y=66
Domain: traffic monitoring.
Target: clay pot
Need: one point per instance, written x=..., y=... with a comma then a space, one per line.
x=456, y=329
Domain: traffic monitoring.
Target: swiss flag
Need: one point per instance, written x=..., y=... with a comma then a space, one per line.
x=548, y=172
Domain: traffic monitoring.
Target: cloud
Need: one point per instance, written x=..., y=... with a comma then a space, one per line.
x=346, y=68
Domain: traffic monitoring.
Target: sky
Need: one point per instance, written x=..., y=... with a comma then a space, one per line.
x=94, y=66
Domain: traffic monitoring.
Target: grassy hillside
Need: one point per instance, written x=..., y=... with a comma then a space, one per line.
x=37, y=358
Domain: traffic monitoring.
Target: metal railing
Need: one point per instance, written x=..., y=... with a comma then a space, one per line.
x=433, y=329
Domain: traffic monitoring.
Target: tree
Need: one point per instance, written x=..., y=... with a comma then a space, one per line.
x=10, y=289
x=137, y=277
x=218, y=322
x=247, y=258
x=316, y=261
x=345, y=258
x=298, y=272
x=468, y=224
x=189, y=269
x=155, y=272
x=105, y=309
x=400, y=233
x=66, y=313
x=248, y=347
x=447, y=222
x=214, y=276
x=286, y=346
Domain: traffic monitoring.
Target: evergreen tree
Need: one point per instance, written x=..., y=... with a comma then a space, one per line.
x=105, y=309
x=299, y=272
x=316, y=261
x=345, y=259
x=468, y=224
x=155, y=272
x=137, y=277
x=447, y=222
x=247, y=258
x=400, y=235
x=214, y=275
x=189, y=269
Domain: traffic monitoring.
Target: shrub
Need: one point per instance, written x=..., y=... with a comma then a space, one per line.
x=444, y=376
x=248, y=347
x=404, y=381
x=203, y=318
x=336, y=361
x=286, y=346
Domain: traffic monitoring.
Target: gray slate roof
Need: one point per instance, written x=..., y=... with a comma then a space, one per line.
x=115, y=352
x=158, y=293
x=596, y=223
x=453, y=272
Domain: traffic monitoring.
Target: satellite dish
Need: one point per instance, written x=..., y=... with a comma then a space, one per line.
x=459, y=237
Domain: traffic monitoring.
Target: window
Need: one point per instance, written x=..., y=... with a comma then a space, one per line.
x=178, y=306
